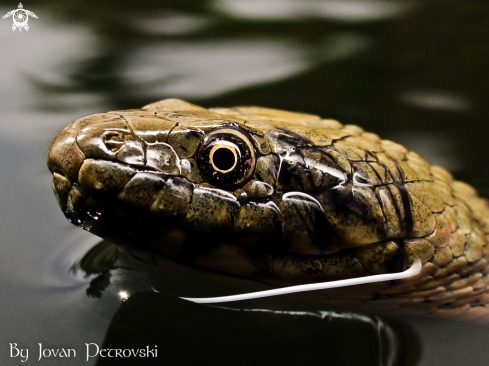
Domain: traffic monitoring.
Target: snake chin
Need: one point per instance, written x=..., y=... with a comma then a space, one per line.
x=71, y=198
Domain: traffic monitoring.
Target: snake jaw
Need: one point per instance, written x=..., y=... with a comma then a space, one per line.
x=64, y=161
x=71, y=198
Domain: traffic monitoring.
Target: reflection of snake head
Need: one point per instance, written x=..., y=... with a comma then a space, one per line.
x=271, y=195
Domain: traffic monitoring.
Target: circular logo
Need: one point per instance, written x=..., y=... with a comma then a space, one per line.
x=20, y=18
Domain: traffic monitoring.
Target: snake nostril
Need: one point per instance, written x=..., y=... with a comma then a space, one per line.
x=59, y=173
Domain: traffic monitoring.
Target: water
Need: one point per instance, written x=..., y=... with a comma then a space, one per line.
x=411, y=71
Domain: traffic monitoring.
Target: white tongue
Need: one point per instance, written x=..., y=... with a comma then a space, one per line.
x=412, y=271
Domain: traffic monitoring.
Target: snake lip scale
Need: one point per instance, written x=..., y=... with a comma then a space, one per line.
x=278, y=198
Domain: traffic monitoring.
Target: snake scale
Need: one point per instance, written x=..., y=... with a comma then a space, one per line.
x=277, y=197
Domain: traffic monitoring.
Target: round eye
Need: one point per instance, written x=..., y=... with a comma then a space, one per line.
x=113, y=141
x=226, y=157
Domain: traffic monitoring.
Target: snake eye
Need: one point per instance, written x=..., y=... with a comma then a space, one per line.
x=226, y=157
x=113, y=141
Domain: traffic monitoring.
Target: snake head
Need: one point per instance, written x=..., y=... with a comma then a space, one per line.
x=117, y=167
x=247, y=190
x=239, y=174
x=269, y=195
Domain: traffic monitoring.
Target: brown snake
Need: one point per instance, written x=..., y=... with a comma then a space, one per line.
x=277, y=197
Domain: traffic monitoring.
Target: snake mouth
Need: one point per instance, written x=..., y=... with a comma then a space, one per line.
x=71, y=198
x=88, y=209
x=92, y=191
x=81, y=195
x=122, y=203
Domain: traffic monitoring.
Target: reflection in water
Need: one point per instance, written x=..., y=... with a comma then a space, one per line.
x=436, y=100
x=172, y=68
x=214, y=336
x=349, y=11
x=388, y=341
x=170, y=23
x=220, y=333
x=36, y=57
x=123, y=295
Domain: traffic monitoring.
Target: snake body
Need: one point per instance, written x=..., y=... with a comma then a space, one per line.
x=277, y=197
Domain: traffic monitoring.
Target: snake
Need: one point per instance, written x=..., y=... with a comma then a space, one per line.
x=277, y=198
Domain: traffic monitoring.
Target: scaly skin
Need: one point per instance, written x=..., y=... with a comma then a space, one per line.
x=306, y=200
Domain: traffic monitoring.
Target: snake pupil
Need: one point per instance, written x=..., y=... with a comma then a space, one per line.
x=223, y=159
